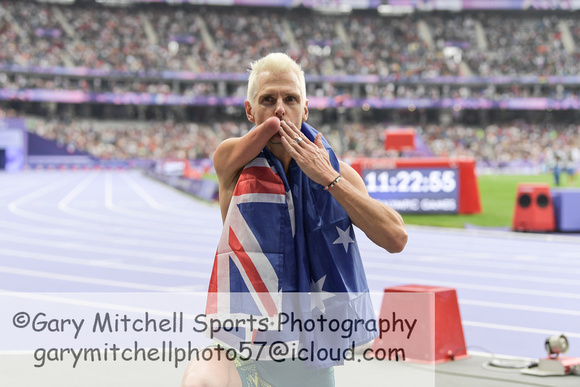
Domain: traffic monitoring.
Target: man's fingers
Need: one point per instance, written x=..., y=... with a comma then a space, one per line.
x=289, y=145
x=287, y=140
x=318, y=141
x=293, y=134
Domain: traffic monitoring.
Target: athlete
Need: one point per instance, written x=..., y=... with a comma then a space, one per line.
x=276, y=103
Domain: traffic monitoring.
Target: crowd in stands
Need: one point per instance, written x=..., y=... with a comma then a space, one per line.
x=538, y=147
x=542, y=146
x=388, y=91
x=526, y=46
x=137, y=140
x=215, y=39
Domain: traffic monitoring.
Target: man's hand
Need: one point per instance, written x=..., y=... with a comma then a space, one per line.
x=380, y=223
x=310, y=156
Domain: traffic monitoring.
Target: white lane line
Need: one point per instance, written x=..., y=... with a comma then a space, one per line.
x=136, y=185
x=519, y=329
x=193, y=241
x=480, y=251
x=109, y=191
x=471, y=286
x=574, y=239
x=147, y=231
x=176, y=225
x=84, y=280
x=111, y=206
x=557, y=255
x=165, y=217
x=141, y=225
x=473, y=273
x=99, y=263
x=14, y=206
x=181, y=224
x=528, y=308
x=62, y=205
x=161, y=256
x=199, y=297
x=113, y=224
x=144, y=194
x=99, y=216
x=516, y=266
x=12, y=187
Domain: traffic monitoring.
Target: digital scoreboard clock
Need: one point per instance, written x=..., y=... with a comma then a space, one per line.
x=415, y=190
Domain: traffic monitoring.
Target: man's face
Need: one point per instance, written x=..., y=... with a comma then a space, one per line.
x=278, y=96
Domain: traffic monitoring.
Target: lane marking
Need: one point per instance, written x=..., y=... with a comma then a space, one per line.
x=503, y=234
x=84, y=280
x=470, y=286
x=11, y=187
x=519, y=329
x=161, y=256
x=105, y=264
x=144, y=194
x=62, y=204
x=14, y=206
x=107, y=305
x=478, y=274
x=539, y=309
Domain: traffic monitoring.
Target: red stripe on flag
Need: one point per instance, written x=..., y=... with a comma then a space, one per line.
x=211, y=306
x=252, y=274
x=259, y=180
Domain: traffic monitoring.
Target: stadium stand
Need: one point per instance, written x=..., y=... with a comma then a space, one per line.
x=143, y=80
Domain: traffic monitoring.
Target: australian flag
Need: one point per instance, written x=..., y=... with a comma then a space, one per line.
x=288, y=247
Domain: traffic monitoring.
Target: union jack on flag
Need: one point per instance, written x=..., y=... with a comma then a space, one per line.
x=246, y=273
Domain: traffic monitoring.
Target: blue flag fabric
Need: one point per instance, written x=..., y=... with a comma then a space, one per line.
x=302, y=252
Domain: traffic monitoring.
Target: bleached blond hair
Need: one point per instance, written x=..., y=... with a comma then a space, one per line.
x=276, y=62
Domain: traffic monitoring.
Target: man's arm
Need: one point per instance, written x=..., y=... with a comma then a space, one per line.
x=234, y=153
x=383, y=225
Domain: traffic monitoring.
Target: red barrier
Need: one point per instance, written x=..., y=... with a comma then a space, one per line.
x=424, y=324
x=469, y=198
x=534, y=209
x=400, y=139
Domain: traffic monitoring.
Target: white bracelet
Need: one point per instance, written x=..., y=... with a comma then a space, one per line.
x=333, y=183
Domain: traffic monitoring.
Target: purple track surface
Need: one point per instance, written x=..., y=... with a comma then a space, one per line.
x=115, y=231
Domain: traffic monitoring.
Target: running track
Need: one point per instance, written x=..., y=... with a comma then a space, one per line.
x=109, y=231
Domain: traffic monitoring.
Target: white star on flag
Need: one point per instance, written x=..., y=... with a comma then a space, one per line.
x=318, y=295
x=344, y=238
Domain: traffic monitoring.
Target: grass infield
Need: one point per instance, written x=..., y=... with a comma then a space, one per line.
x=498, y=199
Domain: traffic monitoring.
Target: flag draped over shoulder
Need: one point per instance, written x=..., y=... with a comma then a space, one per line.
x=288, y=249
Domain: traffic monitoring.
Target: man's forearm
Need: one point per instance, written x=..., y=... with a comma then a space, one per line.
x=235, y=153
x=383, y=225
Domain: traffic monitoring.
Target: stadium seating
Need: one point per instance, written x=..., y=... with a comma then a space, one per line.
x=523, y=63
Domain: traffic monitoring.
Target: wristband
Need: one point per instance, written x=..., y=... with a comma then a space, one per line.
x=333, y=183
